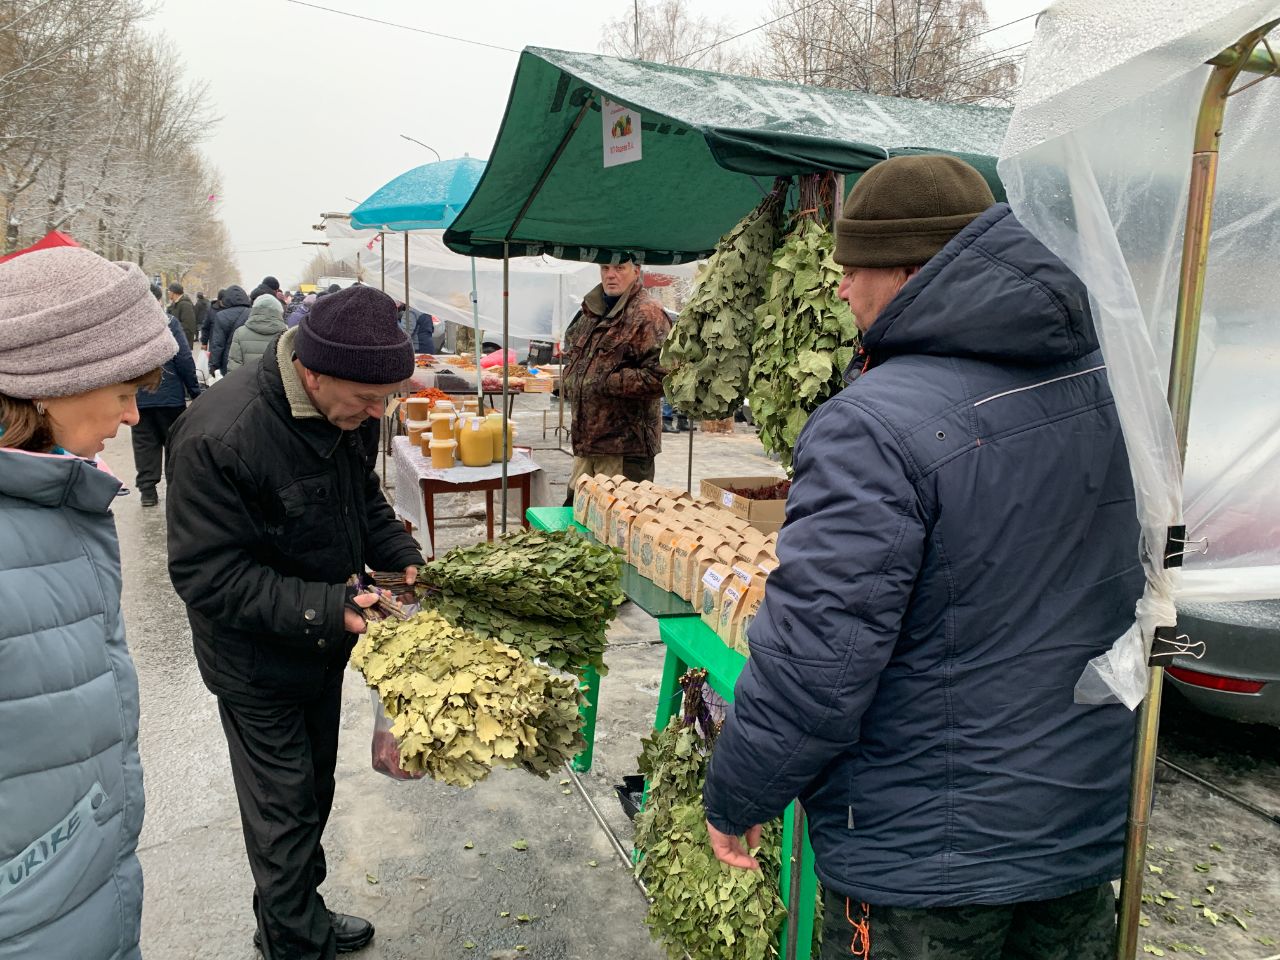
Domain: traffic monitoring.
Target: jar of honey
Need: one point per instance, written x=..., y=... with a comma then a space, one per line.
x=474, y=444
x=442, y=453
x=459, y=424
x=417, y=408
x=442, y=426
x=415, y=429
x=471, y=406
x=493, y=423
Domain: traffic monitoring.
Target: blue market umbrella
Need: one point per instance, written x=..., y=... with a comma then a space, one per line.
x=428, y=197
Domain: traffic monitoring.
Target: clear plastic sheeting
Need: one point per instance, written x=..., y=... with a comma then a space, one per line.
x=1097, y=164
x=716, y=101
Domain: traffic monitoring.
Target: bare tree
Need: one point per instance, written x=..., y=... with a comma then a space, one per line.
x=99, y=135
x=667, y=31
x=52, y=55
x=922, y=49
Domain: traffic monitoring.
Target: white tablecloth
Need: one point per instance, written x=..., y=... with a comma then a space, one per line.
x=411, y=467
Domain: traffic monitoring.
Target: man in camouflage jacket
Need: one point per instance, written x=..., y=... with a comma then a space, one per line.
x=613, y=379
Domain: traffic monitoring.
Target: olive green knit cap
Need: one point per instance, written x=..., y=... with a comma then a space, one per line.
x=904, y=210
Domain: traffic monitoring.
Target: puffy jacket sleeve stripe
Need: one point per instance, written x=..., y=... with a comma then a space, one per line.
x=849, y=557
x=389, y=545
x=211, y=532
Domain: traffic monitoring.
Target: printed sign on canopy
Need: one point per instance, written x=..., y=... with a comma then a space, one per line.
x=621, y=133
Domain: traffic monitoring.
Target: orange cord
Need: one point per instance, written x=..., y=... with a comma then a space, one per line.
x=860, y=943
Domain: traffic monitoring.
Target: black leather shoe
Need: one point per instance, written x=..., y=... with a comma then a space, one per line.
x=150, y=498
x=351, y=933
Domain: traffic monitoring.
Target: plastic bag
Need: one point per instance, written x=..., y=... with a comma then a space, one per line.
x=495, y=359
x=384, y=747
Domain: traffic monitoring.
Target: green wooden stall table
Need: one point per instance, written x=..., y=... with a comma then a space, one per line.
x=690, y=644
x=653, y=600
x=658, y=603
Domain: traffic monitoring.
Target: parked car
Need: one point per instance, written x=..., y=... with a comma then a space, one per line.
x=1239, y=675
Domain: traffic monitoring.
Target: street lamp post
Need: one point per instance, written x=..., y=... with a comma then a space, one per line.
x=405, y=136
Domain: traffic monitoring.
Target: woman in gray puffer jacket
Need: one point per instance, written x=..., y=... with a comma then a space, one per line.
x=265, y=323
x=78, y=336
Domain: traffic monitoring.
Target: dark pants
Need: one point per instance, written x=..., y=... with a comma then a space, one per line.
x=282, y=760
x=151, y=443
x=1079, y=926
x=639, y=469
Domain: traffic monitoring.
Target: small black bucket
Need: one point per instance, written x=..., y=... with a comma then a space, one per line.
x=630, y=794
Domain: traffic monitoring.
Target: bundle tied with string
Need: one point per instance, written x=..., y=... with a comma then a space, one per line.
x=699, y=906
x=805, y=336
x=708, y=350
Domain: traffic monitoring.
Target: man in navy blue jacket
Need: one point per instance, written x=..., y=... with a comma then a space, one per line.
x=157, y=411
x=960, y=540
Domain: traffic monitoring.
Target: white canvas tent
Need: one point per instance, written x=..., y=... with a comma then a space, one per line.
x=545, y=292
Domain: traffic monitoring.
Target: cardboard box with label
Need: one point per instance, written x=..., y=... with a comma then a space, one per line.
x=765, y=515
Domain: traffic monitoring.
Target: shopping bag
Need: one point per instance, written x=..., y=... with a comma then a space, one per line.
x=385, y=749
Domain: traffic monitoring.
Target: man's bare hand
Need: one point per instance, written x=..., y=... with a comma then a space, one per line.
x=354, y=622
x=411, y=575
x=729, y=849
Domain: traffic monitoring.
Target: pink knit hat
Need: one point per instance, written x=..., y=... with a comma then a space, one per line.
x=71, y=322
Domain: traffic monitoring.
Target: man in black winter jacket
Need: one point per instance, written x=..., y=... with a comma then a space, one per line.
x=206, y=324
x=202, y=314
x=181, y=307
x=271, y=510
x=229, y=318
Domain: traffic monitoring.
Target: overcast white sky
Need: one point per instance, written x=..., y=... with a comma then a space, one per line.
x=313, y=103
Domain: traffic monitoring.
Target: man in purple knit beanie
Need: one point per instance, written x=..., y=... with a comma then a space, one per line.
x=271, y=511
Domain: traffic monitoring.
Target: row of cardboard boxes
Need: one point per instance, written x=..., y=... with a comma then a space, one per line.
x=692, y=547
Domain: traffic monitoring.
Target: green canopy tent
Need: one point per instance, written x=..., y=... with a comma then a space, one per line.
x=709, y=143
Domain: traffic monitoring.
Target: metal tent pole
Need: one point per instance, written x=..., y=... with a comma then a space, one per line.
x=406, y=269
x=1186, y=334
x=689, y=480
x=384, y=440
x=506, y=274
x=506, y=371
x=475, y=329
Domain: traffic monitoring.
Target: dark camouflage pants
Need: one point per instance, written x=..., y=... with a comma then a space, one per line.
x=1079, y=926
